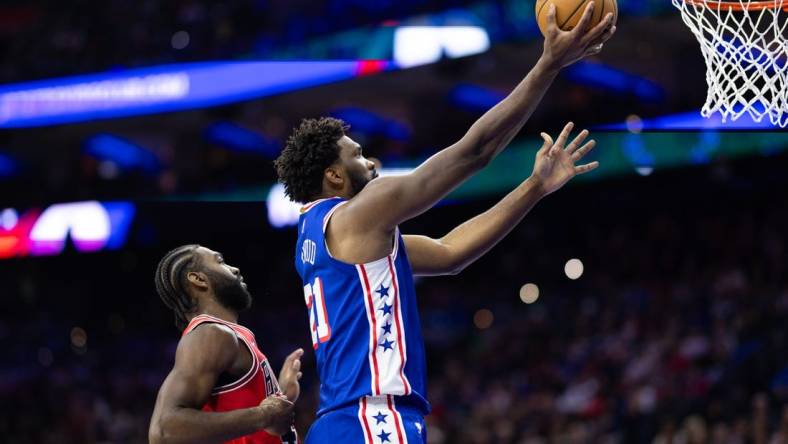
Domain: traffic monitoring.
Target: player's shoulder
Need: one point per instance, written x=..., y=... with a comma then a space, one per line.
x=209, y=338
x=213, y=329
x=320, y=206
x=316, y=215
x=209, y=347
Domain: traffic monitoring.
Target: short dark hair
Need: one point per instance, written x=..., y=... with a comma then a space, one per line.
x=310, y=149
x=171, y=281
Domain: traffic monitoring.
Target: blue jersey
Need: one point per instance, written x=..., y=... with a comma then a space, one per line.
x=363, y=319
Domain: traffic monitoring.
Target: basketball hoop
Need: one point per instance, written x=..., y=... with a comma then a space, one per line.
x=745, y=48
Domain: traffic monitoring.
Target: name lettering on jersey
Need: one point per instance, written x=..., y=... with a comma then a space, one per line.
x=308, y=252
x=271, y=384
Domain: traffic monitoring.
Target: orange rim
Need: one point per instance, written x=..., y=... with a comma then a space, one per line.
x=737, y=6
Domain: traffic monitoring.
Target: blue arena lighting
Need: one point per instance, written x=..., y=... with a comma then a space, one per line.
x=634, y=148
x=780, y=380
x=164, y=88
x=606, y=77
x=121, y=215
x=702, y=152
x=693, y=121
x=8, y=166
x=236, y=138
x=125, y=154
x=367, y=122
x=474, y=98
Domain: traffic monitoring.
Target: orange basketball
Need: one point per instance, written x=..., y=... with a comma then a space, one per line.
x=568, y=12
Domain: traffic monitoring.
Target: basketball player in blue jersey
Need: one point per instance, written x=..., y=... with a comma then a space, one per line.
x=357, y=269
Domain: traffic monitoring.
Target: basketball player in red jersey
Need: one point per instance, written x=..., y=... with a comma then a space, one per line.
x=222, y=388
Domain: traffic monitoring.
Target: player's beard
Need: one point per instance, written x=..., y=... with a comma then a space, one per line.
x=230, y=292
x=359, y=181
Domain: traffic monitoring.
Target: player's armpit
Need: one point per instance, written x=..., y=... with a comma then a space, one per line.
x=386, y=202
x=361, y=230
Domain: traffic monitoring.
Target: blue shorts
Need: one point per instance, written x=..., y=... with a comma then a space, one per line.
x=374, y=420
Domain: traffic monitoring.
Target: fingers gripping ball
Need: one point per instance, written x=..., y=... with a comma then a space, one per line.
x=568, y=12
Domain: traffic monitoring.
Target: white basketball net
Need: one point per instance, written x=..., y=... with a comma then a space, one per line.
x=746, y=54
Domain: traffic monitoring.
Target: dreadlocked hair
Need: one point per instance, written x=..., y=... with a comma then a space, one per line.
x=171, y=281
x=310, y=149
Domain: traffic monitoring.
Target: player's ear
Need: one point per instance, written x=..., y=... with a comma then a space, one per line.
x=334, y=176
x=198, y=279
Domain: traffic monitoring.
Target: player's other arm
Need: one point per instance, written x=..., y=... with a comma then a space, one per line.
x=388, y=201
x=554, y=166
x=177, y=417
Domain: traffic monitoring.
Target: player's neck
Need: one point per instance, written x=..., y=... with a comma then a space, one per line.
x=218, y=311
x=332, y=194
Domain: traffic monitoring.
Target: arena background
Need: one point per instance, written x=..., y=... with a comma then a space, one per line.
x=673, y=333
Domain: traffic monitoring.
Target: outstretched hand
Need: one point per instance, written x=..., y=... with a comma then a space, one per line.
x=562, y=48
x=290, y=374
x=555, y=165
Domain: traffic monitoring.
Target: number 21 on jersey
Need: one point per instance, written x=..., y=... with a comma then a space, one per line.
x=318, y=317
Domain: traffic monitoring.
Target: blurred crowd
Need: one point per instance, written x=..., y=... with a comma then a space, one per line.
x=675, y=332
x=675, y=336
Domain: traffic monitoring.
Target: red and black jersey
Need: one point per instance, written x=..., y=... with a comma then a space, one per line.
x=247, y=391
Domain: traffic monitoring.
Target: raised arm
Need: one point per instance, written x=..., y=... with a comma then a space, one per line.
x=388, y=201
x=202, y=356
x=450, y=254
